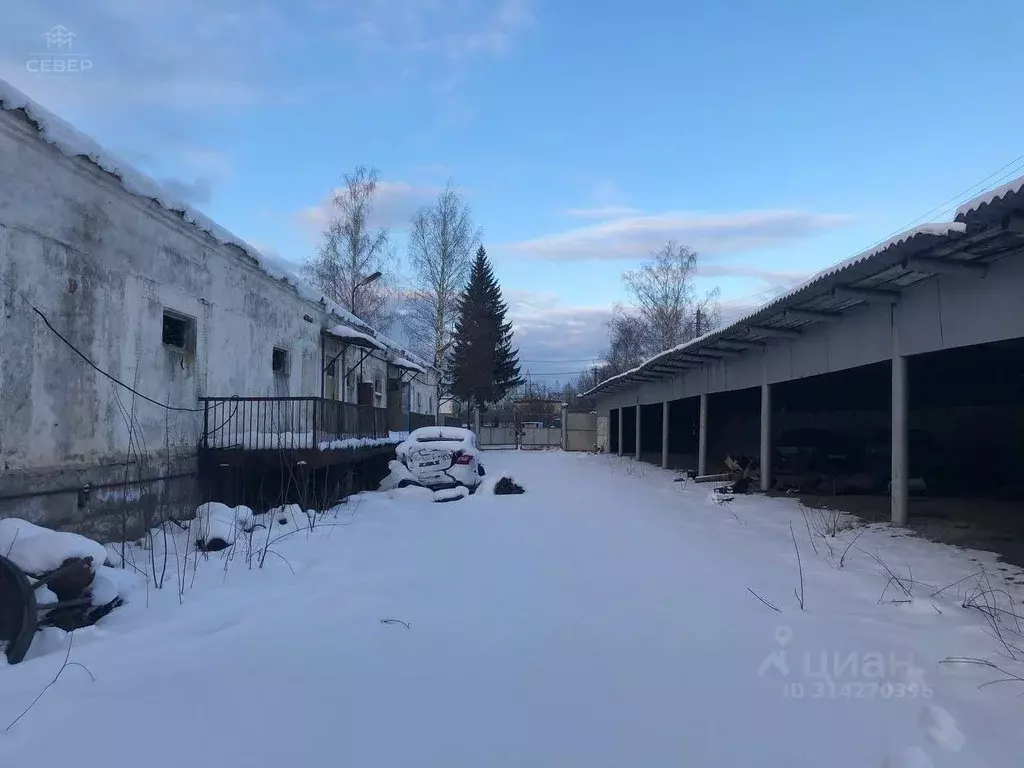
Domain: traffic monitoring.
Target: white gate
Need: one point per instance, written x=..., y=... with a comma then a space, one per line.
x=581, y=431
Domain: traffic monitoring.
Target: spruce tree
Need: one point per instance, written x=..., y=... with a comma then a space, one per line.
x=483, y=365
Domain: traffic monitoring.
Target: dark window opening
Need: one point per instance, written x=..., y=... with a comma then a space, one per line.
x=331, y=369
x=179, y=331
x=280, y=361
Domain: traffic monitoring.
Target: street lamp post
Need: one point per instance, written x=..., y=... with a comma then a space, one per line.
x=357, y=284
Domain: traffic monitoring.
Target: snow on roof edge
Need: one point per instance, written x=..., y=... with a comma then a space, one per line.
x=936, y=229
x=73, y=143
x=986, y=198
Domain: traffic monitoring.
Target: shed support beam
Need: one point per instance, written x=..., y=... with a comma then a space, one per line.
x=870, y=295
x=814, y=314
x=636, y=451
x=702, y=438
x=928, y=266
x=622, y=434
x=766, y=436
x=900, y=485
x=1012, y=222
x=721, y=352
x=741, y=344
x=664, y=435
x=784, y=333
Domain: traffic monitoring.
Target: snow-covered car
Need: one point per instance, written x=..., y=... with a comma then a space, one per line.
x=442, y=457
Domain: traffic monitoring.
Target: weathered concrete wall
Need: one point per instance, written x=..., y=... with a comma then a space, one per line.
x=104, y=265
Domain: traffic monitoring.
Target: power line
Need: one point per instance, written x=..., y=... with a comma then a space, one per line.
x=943, y=207
x=89, y=362
x=553, y=373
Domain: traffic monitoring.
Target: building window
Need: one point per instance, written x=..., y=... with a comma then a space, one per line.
x=179, y=331
x=430, y=404
x=419, y=402
x=279, y=361
x=378, y=388
x=350, y=385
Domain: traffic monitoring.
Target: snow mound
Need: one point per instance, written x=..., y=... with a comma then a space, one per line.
x=397, y=473
x=216, y=525
x=411, y=493
x=35, y=549
x=451, y=494
x=112, y=584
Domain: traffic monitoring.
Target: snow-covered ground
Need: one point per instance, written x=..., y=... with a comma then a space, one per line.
x=608, y=617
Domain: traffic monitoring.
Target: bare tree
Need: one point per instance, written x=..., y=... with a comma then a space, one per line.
x=666, y=301
x=626, y=341
x=354, y=265
x=441, y=243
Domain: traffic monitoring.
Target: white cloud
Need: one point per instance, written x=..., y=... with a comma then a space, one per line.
x=455, y=30
x=394, y=204
x=547, y=329
x=603, y=212
x=192, y=54
x=633, y=236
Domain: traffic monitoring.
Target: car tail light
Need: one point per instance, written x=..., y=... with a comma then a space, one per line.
x=462, y=458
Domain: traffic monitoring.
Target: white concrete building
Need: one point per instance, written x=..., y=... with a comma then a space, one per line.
x=120, y=310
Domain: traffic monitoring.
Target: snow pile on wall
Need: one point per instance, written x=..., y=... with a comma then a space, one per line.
x=38, y=550
x=344, y=332
x=304, y=440
x=351, y=443
x=403, y=362
x=216, y=526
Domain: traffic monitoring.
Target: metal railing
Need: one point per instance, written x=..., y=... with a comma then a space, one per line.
x=291, y=423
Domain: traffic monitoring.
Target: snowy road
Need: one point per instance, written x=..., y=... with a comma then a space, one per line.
x=605, y=618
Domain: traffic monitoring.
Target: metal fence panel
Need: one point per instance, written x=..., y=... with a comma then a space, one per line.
x=581, y=431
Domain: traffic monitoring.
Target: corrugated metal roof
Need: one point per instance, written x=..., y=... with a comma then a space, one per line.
x=1009, y=190
x=883, y=267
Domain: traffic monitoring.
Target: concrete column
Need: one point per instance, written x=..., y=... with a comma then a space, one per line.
x=766, y=436
x=622, y=435
x=702, y=440
x=476, y=421
x=664, y=435
x=565, y=427
x=637, y=451
x=900, y=475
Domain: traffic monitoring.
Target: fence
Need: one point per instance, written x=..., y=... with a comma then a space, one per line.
x=417, y=420
x=269, y=423
x=581, y=431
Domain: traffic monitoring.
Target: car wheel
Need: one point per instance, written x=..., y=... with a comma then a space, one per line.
x=480, y=470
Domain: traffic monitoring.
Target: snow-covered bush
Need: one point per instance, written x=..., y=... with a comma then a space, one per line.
x=216, y=526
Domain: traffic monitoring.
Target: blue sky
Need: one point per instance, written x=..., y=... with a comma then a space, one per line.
x=776, y=138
